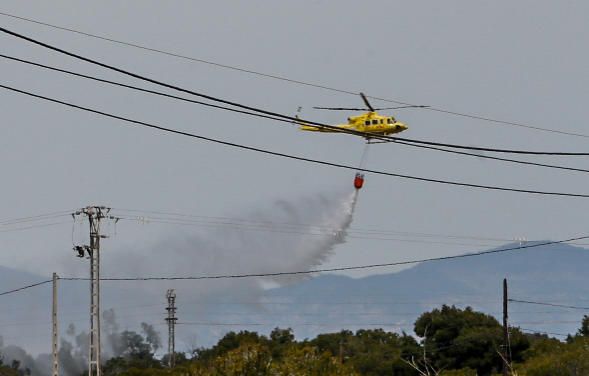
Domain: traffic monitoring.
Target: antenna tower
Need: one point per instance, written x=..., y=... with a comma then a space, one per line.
x=171, y=319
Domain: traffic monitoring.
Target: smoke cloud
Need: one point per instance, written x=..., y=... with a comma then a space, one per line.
x=73, y=348
x=287, y=235
x=282, y=236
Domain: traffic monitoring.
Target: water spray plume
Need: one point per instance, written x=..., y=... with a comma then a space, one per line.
x=288, y=235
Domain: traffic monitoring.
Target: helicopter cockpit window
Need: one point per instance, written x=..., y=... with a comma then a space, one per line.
x=389, y=121
x=374, y=121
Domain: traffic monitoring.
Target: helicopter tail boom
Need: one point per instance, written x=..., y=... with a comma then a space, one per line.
x=312, y=128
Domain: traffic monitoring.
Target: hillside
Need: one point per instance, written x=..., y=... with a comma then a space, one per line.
x=321, y=304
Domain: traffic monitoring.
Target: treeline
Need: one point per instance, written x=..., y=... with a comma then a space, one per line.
x=448, y=341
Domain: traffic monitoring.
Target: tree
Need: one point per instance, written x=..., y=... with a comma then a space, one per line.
x=309, y=361
x=8, y=371
x=584, y=330
x=135, y=352
x=280, y=341
x=369, y=352
x=563, y=359
x=5, y=370
x=456, y=338
x=249, y=359
x=229, y=342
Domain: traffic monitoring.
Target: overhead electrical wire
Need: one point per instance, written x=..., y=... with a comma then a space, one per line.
x=362, y=230
x=139, y=214
x=286, y=79
x=32, y=222
x=311, y=314
x=492, y=157
x=34, y=218
x=334, y=302
x=170, y=130
x=518, y=323
x=40, y=225
x=20, y=289
x=25, y=287
x=548, y=304
x=270, y=113
x=289, y=156
x=532, y=331
x=338, y=269
x=279, y=230
x=290, y=122
x=318, y=324
x=137, y=88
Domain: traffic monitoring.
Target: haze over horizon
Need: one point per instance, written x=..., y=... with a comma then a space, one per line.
x=189, y=207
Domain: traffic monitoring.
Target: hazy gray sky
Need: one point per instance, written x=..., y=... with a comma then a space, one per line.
x=522, y=61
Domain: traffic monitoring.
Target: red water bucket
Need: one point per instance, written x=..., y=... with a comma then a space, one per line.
x=358, y=180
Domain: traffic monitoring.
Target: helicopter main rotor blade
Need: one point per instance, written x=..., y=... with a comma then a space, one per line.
x=366, y=102
x=400, y=107
x=368, y=109
x=341, y=108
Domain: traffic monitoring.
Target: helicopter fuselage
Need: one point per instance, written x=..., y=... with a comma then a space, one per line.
x=369, y=122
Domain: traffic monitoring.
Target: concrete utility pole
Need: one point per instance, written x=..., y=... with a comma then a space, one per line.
x=171, y=319
x=94, y=214
x=55, y=333
x=506, y=351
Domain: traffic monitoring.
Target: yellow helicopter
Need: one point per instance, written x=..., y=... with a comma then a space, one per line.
x=369, y=123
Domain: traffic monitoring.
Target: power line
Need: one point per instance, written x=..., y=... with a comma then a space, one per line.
x=270, y=113
x=294, y=228
x=545, y=322
x=290, y=122
x=137, y=88
x=336, y=302
x=305, y=324
x=492, y=157
x=275, y=229
x=33, y=226
x=35, y=217
x=501, y=122
x=548, y=304
x=339, y=269
x=25, y=287
x=318, y=324
x=249, y=222
x=290, y=80
x=177, y=88
x=289, y=156
x=532, y=331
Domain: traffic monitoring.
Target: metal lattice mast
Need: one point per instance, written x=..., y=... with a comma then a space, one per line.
x=94, y=214
x=55, y=331
x=171, y=319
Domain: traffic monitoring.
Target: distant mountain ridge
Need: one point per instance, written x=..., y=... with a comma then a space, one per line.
x=555, y=273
